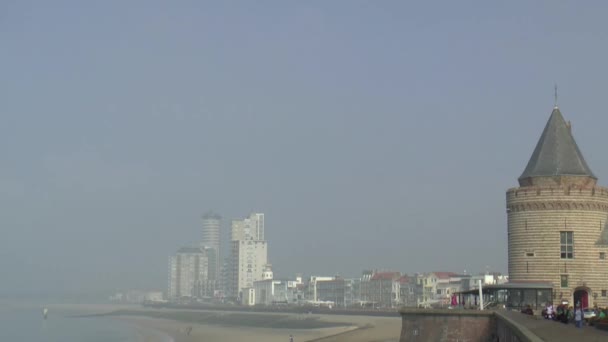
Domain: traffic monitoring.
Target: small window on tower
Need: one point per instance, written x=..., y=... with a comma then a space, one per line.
x=566, y=245
x=530, y=254
x=564, y=280
x=602, y=255
x=603, y=293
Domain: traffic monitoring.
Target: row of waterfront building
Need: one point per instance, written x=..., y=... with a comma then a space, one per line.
x=557, y=241
x=374, y=289
x=246, y=276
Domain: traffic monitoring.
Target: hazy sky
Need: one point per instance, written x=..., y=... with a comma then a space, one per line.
x=372, y=134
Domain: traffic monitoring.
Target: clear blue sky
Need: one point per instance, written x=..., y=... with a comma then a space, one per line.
x=372, y=134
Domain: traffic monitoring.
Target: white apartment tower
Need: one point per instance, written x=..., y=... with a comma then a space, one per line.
x=249, y=253
x=188, y=273
x=250, y=228
x=211, y=243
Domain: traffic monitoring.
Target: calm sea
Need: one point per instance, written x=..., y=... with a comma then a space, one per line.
x=27, y=325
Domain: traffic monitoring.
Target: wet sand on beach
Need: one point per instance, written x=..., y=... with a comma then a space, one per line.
x=357, y=328
x=363, y=329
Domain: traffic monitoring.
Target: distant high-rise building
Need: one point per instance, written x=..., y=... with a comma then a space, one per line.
x=249, y=254
x=250, y=228
x=249, y=259
x=211, y=242
x=188, y=273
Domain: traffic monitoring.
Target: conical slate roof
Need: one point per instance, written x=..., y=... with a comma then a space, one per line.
x=556, y=153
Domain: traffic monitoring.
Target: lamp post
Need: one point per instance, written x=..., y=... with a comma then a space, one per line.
x=480, y=296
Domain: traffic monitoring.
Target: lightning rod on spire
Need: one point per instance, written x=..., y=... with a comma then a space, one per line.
x=555, y=104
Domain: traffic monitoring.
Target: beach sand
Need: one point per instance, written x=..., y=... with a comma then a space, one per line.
x=361, y=329
x=370, y=329
x=166, y=329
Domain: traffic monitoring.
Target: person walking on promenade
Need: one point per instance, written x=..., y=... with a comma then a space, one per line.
x=548, y=311
x=561, y=312
x=578, y=316
x=566, y=316
x=528, y=310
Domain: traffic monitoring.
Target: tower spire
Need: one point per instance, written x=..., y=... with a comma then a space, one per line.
x=555, y=104
x=556, y=155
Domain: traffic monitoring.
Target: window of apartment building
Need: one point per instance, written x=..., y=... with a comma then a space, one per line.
x=603, y=293
x=438, y=292
x=602, y=255
x=564, y=280
x=567, y=245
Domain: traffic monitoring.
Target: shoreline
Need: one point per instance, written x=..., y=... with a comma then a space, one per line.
x=164, y=330
x=336, y=328
x=148, y=333
x=170, y=325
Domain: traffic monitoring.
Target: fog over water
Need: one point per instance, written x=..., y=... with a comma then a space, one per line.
x=370, y=134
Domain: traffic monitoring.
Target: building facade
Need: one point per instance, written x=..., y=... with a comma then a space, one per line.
x=364, y=286
x=427, y=291
x=274, y=292
x=211, y=233
x=407, y=291
x=557, y=220
x=313, y=288
x=331, y=291
x=248, y=296
x=384, y=289
x=248, y=254
x=187, y=273
x=251, y=227
x=352, y=290
x=248, y=261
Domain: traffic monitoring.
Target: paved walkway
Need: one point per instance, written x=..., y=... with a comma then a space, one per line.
x=555, y=331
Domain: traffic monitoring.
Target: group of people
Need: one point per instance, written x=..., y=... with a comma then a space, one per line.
x=565, y=314
x=568, y=314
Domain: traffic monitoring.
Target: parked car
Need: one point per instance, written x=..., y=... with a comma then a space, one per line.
x=588, y=313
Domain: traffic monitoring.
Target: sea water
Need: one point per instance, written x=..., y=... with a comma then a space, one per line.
x=26, y=324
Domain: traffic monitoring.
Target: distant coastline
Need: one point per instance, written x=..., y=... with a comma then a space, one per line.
x=171, y=325
x=232, y=319
x=277, y=309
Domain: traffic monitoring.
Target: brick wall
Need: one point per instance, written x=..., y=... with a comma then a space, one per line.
x=431, y=325
x=535, y=218
x=447, y=325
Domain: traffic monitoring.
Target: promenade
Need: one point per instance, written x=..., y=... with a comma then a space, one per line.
x=555, y=331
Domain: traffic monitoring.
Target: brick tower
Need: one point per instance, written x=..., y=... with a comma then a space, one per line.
x=557, y=220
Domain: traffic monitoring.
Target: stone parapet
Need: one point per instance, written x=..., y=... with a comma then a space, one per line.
x=572, y=192
x=432, y=325
x=487, y=326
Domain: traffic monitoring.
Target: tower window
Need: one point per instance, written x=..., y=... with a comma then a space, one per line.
x=564, y=280
x=603, y=293
x=529, y=254
x=566, y=245
x=602, y=255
